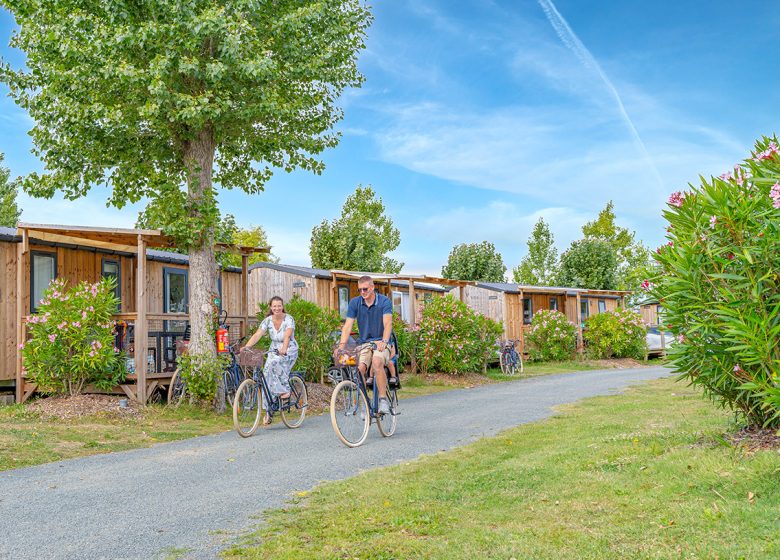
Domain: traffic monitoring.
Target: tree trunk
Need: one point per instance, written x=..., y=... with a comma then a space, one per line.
x=199, y=160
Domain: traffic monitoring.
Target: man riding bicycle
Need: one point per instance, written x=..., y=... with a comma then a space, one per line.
x=374, y=314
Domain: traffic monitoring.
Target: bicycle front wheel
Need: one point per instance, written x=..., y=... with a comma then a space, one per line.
x=247, y=408
x=294, y=411
x=387, y=422
x=349, y=413
x=177, y=389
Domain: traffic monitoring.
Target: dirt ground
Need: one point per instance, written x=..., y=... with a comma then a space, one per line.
x=67, y=407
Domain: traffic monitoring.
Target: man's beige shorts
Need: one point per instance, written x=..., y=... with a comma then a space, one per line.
x=366, y=355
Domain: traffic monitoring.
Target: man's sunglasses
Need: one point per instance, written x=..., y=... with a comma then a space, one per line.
x=364, y=289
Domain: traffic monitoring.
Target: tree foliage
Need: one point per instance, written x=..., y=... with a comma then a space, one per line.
x=358, y=240
x=720, y=289
x=589, y=263
x=634, y=260
x=160, y=100
x=475, y=261
x=9, y=211
x=540, y=266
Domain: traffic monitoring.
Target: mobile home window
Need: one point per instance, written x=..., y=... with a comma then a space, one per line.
x=427, y=297
x=343, y=301
x=554, y=303
x=398, y=303
x=528, y=312
x=602, y=306
x=43, y=269
x=110, y=269
x=583, y=310
x=175, y=290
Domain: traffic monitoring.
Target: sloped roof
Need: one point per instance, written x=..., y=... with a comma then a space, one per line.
x=323, y=274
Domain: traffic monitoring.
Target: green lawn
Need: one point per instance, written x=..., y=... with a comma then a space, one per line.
x=641, y=475
x=26, y=439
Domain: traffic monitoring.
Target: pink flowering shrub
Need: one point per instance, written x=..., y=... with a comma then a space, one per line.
x=72, y=339
x=616, y=334
x=551, y=337
x=452, y=338
x=719, y=285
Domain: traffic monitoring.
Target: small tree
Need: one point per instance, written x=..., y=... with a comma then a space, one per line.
x=719, y=285
x=360, y=239
x=589, y=263
x=540, y=266
x=9, y=211
x=634, y=260
x=72, y=339
x=475, y=261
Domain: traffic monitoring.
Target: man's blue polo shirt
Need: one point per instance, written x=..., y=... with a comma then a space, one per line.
x=370, y=324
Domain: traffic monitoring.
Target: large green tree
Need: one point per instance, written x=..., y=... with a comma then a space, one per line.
x=540, y=266
x=164, y=99
x=358, y=240
x=634, y=260
x=589, y=263
x=475, y=261
x=9, y=211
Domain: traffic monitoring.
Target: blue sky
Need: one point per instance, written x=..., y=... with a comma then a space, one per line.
x=479, y=116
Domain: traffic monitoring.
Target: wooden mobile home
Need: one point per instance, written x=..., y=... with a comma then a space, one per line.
x=334, y=288
x=651, y=312
x=156, y=309
x=515, y=304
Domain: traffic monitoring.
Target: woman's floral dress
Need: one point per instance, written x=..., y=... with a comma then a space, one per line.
x=277, y=368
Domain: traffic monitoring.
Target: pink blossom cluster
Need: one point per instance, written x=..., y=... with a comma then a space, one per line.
x=670, y=244
x=738, y=176
x=96, y=346
x=676, y=199
x=646, y=285
x=713, y=221
x=768, y=154
x=774, y=194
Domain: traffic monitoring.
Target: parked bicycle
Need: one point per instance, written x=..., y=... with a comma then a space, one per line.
x=354, y=404
x=250, y=404
x=509, y=358
x=232, y=375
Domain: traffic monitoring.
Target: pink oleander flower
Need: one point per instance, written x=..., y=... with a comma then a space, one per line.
x=21, y=346
x=713, y=221
x=62, y=325
x=768, y=154
x=774, y=194
x=76, y=324
x=676, y=199
x=52, y=337
x=646, y=285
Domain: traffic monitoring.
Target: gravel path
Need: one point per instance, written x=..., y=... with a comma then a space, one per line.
x=189, y=499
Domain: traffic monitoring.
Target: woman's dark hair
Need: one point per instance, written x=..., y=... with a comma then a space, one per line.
x=270, y=302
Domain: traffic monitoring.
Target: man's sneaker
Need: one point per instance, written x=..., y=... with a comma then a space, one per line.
x=384, y=406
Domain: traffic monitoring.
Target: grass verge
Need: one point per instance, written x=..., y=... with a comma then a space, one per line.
x=641, y=475
x=28, y=439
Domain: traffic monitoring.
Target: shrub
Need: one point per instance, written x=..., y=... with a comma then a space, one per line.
x=551, y=337
x=314, y=328
x=201, y=373
x=616, y=334
x=71, y=340
x=719, y=286
x=453, y=338
x=408, y=338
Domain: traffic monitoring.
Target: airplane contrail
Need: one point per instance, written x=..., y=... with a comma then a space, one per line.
x=572, y=42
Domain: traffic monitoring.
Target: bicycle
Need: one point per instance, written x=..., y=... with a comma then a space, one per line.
x=509, y=358
x=248, y=404
x=352, y=409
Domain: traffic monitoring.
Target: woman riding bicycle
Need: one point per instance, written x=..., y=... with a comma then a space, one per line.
x=283, y=351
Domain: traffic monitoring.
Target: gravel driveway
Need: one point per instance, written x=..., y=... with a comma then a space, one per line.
x=189, y=499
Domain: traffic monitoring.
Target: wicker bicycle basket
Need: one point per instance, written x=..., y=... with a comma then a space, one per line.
x=250, y=358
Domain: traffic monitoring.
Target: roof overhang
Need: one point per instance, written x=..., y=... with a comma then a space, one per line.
x=353, y=275
x=116, y=239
